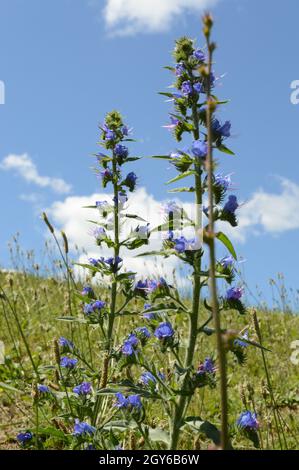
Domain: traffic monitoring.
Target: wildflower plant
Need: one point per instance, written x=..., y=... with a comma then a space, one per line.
x=104, y=392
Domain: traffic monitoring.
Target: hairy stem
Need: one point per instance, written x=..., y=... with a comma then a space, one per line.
x=211, y=240
x=182, y=405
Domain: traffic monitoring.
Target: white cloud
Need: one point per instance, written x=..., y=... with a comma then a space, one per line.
x=26, y=168
x=125, y=17
x=264, y=213
x=271, y=213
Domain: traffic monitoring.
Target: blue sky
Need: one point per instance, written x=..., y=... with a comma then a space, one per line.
x=65, y=63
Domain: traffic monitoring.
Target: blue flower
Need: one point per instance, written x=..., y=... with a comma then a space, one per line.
x=125, y=130
x=199, y=148
x=108, y=133
x=231, y=205
x=83, y=429
x=128, y=348
x=133, y=401
x=224, y=181
x=164, y=330
x=180, y=69
x=66, y=343
x=171, y=208
x=227, y=261
x=234, y=293
x=150, y=315
x=173, y=123
x=88, y=291
x=221, y=130
x=241, y=343
x=106, y=174
x=99, y=234
x=68, y=362
x=208, y=367
x=113, y=262
x=154, y=284
x=82, y=389
x=198, y=88
x=248, y=421
x=24, y=437
x=94, y=262
x=187, y=88
x=94, y=307
x=130, y=181
x=143, y=331
x=147, y=378
x=199, y=55
x=43, y=388
x=121, y=151
x=180, y=244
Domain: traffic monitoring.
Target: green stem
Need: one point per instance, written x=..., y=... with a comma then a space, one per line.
x=211, y=241
x=180, y=407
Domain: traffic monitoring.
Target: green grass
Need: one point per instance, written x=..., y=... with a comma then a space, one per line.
x=40, y=301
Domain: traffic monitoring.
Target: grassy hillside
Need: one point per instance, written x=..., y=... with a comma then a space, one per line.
x=31, y=326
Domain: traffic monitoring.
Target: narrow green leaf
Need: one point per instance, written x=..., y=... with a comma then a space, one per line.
x=224, y=149
x=226, y=241
x=181, y=176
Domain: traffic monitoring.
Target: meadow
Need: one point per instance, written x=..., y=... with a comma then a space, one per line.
x=97, y=357
x=41, y=299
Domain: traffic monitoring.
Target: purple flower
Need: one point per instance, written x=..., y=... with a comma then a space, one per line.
x=107, y=174
x=199, y=148
x=94, y=307
x=99, y=233
x=143, y=331
x=224, y=181
x=208, y=367
x=94, y=262
x=88, y=291
x=109, y=133
x=154, y=284
x=221, y=130
x=231, y=205
x=130, y=181
x=82, y=389
x=147, y=378
x=43, y=388
x=66, y=343
x=234, y=293
x=199, y=55
x=241, y=343
x=248, y=421
x=179, y=69
x=227, y=261
x=83, y=429
x=133, y=401
x=187, y=88
x=113, y=263
x=141, y=288
x=198, y=88
x=173, y=123
x=24, y=437
x=103, y=206
x=68, y=362
x=121, y=151
x=171, y=208
x=180, y=244
x=128, y=348
x=150, y=315
x=125, y=130
x=164, y=330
